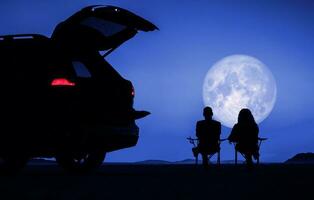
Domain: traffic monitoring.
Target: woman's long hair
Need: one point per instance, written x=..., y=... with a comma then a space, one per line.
x=246, y=117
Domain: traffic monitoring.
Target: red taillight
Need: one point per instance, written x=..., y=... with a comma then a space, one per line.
x=133, y=92
x=61, y=82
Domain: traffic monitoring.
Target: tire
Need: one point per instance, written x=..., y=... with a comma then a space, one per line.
x=83, y=163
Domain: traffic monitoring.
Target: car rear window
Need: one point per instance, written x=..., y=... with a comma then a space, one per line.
x=107, y=28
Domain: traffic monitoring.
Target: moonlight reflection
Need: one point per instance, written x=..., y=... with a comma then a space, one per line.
x=237, y=82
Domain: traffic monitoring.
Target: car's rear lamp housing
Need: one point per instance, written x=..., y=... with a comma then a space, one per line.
x=133, y=92
x=57, y=82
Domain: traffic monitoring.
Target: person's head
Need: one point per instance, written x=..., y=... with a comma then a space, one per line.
x=245, y=116
x=208, y=112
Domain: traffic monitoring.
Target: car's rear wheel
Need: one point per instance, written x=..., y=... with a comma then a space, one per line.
x=82, y=162
x=13, y=163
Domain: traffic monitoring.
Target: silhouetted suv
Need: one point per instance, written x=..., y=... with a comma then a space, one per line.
x=60, y=98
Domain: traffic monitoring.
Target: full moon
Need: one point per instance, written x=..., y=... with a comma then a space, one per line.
x=236, y=82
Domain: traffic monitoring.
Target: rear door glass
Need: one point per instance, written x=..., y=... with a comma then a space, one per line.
x=105, y=27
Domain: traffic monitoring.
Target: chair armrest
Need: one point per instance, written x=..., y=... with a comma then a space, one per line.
x=192, y=140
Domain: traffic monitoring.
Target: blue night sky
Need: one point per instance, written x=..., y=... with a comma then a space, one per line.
x=167, y=67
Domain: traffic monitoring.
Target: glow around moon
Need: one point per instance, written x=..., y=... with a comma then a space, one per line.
x=236, y=82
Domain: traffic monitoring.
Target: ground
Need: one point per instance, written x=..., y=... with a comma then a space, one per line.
x=161, y=182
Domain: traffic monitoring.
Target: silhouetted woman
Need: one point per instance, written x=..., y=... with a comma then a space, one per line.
x=245, y=135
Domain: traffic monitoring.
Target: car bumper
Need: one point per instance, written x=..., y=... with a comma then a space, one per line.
x=111, y=138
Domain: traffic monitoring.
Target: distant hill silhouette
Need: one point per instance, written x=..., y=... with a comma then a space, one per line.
x=192, y=161
x=153, y=162
x=185, y=162
x=301, y=158
x=181, y=162
x=43, y=161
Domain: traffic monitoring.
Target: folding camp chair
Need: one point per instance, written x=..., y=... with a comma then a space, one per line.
x=195, y=141
x=260, y=141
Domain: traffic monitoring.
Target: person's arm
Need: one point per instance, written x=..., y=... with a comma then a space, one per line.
x=233, y=134
x=197, y=130
x=218, y=130
x=256, y=133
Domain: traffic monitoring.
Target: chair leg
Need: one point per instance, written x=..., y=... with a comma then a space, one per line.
x=218, y=158
x=196, y=160
x=258, y=156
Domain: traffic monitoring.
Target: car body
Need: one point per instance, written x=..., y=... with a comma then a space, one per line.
x=61, y=98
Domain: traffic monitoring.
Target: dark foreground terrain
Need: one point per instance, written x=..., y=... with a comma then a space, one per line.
x=161, y=182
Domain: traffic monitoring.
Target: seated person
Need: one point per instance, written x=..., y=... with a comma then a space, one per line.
x=245, y=135
x=208, y=133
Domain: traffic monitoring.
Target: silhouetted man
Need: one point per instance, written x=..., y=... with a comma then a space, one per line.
x=208, y=132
